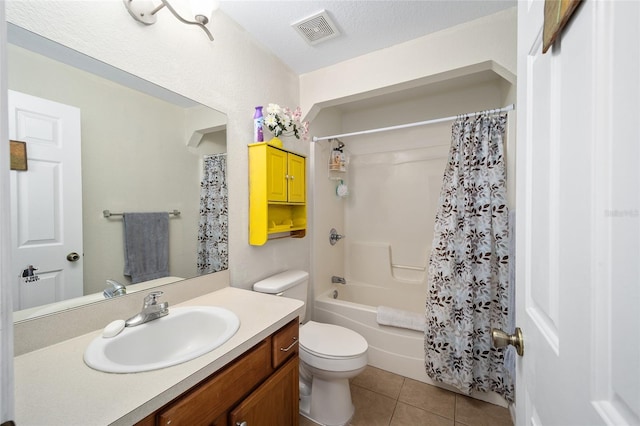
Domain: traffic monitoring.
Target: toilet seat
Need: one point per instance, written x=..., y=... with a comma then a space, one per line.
x=331, y=341
x=331, y=347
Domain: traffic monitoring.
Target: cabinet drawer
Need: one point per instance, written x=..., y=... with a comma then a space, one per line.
x=285, y=343
x=208, y=401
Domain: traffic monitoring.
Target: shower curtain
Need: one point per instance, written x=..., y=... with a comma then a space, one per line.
x=469, y=263
x=213, y=254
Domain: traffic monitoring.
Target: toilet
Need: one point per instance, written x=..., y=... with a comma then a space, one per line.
x=330, y=355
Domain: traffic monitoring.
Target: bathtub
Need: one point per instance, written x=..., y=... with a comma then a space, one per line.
x=393, y=349
x=398, y=350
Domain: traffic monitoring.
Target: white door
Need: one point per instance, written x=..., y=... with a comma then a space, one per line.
x=46, y=201
x=578, y=230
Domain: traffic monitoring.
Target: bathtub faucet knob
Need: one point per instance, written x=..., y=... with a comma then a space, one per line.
x=334, y=237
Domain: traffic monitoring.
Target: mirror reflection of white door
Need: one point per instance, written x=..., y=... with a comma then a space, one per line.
x=578, y=225
x=46, y=201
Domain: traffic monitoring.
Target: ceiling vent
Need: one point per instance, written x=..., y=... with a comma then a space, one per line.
x=317, y=28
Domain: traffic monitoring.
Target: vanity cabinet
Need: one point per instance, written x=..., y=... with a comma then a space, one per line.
x=273, y=403
x=258, y=388
x=277, y=193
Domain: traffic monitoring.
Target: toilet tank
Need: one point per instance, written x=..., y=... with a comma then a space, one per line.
x=292, y=284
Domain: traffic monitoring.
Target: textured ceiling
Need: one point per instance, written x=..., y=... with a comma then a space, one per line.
x=365, y=25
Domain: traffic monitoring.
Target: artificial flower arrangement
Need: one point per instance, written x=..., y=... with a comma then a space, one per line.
x=283, y=121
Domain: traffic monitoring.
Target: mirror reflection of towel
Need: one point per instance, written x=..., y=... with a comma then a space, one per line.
x=146, y=246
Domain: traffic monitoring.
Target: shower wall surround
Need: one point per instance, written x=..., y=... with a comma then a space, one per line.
x=395, y=177
x=389, y=218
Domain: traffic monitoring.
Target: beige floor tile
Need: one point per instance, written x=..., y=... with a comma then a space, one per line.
x=379, y=381
x=372, y=409
x=472, y=412
x=306, y=422
x=429, y=398
x=407, y=415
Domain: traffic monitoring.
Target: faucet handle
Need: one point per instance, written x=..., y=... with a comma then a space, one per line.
x=152, y=298
x=334, y=237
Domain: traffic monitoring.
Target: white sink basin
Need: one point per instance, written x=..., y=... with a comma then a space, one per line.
x=186, y=333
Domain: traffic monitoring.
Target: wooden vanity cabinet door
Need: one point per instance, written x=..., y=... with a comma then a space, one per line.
x=275, y=402
x=285, y=343
x=209, y=401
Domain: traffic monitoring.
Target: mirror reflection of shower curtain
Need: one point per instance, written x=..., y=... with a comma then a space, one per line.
x=213, y=253
x=469, y=264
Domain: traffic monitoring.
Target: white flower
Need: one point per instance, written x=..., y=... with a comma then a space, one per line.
x=273, y=109
x=283, y=121
x=270, y=120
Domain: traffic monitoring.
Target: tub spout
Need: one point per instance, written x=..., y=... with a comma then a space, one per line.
x=338, y=280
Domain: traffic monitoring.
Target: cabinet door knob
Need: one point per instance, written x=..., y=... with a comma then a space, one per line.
x=287, y=177
x=241, y=423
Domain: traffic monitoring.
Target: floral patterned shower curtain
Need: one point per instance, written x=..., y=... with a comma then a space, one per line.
x=469, y=264
x=213, y=254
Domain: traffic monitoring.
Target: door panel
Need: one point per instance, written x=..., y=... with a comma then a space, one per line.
x=578, y=227
x=46, y=200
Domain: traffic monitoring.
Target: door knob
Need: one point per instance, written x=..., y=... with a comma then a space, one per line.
x=73, y=257
x=501, y=339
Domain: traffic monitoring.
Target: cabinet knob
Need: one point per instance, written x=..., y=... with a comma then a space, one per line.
x=241, y=423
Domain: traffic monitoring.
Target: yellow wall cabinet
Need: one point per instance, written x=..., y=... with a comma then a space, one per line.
x=277, y=194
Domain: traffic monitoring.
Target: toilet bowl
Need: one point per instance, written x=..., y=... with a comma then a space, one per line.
x=330, y=355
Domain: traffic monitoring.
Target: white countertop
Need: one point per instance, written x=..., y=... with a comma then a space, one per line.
x=53, y=386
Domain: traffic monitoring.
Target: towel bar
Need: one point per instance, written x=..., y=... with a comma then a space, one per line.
x=107, y=213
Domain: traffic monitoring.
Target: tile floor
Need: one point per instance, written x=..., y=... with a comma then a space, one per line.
x=386, y=399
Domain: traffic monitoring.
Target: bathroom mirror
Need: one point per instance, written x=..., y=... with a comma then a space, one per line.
x=142, y=150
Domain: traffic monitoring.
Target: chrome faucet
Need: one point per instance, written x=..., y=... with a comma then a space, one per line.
x=114, y=289
x=338, y=280
x=151, y=310
x=334, y=237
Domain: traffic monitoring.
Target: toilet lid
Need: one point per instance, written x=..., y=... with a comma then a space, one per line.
x=330, y=340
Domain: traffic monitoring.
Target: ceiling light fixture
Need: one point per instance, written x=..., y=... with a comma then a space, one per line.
x=145, y=12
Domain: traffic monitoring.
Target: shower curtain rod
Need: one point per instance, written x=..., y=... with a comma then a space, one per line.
x=404, y=126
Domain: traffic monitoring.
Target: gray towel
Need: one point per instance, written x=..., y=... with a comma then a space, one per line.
x=146, y=246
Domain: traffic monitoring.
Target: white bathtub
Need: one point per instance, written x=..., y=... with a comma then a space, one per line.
x=393, y=349
x=398, y=350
